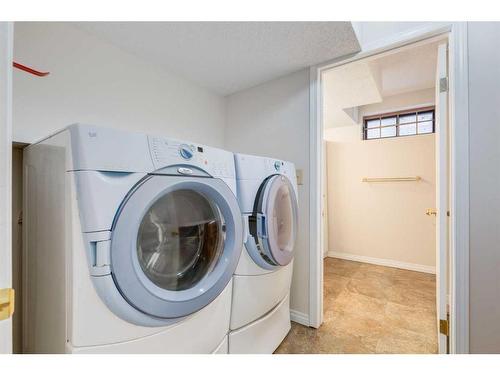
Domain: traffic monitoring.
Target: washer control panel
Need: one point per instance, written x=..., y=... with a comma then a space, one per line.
x=166, y=152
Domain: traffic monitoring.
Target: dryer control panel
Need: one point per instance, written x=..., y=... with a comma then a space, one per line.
x=167, y=152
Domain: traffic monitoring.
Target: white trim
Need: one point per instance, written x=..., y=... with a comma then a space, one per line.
x=459, y=94
x=298, y=317
x=382, y=262
x=315, y=220
x=397, y=40
x=442, y=161
x=459, y=116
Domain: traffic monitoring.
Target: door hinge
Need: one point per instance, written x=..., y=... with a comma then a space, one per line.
x=443, y=84
x=444, y=327
x=7, y=301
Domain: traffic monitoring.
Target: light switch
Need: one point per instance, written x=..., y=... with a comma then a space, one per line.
x=300, y=180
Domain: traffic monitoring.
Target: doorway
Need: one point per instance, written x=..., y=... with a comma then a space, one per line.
x=380, y=128
x=379, y=179
x=383, y=122
x=458, y=187
x=458, y=299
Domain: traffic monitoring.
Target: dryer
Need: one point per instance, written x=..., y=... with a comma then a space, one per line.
x=130, y=244
x=260, y=313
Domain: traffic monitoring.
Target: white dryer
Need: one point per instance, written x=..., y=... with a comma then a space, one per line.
x=267, y=194
x=130, y=244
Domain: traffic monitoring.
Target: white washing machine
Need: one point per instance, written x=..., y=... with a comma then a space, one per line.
x=267, y=194
x=130, y=244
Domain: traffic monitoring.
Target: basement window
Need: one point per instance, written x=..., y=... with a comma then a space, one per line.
x=399, y=124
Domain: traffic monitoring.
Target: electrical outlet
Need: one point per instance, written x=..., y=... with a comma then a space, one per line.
x=300, y=180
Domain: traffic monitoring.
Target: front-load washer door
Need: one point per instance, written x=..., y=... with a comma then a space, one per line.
x=273, y=224
x=175, y=244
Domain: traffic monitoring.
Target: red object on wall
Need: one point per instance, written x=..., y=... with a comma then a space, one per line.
x=29, y=70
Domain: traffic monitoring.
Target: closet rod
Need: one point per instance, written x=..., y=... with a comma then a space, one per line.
x=391, y=179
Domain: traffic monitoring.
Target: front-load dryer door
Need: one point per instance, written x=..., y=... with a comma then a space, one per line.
x=273, y=225
x=175, y=244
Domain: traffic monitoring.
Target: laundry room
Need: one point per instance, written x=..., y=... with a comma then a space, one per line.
x=247, y=187
x=105, y=78
x=380, y=190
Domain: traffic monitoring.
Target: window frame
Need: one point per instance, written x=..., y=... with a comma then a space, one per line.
x=397, y=115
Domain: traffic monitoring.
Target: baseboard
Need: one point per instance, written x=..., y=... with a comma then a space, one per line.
x=383, y=262
x=298, y=317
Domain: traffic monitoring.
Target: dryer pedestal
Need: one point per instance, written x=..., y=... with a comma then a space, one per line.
x=256, y=295
x=264, y=335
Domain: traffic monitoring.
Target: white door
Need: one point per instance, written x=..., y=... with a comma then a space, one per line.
x=324, y=201
x=6, y=31
x=442, y=188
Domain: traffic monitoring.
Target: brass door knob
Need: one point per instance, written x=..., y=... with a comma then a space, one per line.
x=431, y=211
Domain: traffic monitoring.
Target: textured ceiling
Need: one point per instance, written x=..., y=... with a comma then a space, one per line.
x=371, y=80
x=227, y=57
x=344, y=89
x=409, y=70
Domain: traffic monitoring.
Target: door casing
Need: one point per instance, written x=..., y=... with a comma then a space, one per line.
x=6, y=52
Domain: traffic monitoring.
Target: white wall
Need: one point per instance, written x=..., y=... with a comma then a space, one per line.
x=94, y=82
x=382, y=222
x=362, y=216
x=484, y=115
x=273, y=120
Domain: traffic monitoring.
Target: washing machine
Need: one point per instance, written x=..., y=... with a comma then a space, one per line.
x=260, y=313
x=130, y=244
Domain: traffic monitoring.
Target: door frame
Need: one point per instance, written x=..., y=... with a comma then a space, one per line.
x=6, y=52
x=459, y=163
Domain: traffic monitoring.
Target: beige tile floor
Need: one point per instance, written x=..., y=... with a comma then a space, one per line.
x=370, y=309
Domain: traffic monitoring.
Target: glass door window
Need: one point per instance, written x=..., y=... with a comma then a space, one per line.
x=274, y=224
x=180, y=239
x=282, y=224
